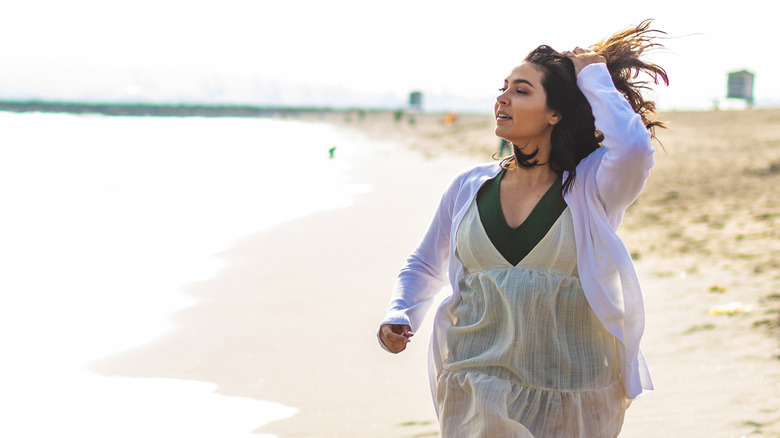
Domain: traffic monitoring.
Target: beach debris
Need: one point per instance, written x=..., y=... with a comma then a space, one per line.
x=774, y=296
x=450, y=119
x=331, y=151
x=700, y=327
x=755, y=424
x=420, y=426
x=416, y=423
x=764, y=322
x=665, y=274
x=732, y=308
x=716, y=289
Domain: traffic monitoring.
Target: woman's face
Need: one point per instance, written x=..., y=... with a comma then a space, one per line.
x=522, y=115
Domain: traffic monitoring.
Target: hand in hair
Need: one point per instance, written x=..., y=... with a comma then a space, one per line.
x=581, y=57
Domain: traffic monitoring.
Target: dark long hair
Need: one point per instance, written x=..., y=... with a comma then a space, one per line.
x=575, y=136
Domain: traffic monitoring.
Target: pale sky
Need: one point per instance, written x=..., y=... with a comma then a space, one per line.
x=215, y=50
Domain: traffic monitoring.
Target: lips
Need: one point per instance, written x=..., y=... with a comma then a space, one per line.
x=502, y=116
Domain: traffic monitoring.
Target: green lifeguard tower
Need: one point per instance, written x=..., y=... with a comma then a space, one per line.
x=740, y=86
x=415, y=101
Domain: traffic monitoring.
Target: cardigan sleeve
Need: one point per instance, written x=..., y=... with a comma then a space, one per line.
x=608, y=180
x=629, y=153
x=425, y=271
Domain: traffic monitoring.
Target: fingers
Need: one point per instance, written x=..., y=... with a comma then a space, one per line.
x=577, y=51
x=395, y=336
x=395, y=343
x=582, y=57
x=403, y=330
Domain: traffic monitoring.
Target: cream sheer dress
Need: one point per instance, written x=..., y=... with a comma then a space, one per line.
x=528, y=357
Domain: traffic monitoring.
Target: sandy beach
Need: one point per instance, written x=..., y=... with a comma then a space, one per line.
x=704, y=235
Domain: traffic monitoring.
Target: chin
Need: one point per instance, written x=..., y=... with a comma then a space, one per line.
x=499, y=135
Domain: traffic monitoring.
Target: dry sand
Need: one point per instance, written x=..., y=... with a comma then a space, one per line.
x=292, y=318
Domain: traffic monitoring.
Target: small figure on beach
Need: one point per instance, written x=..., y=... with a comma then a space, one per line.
x=331, y=152
x=540, y=337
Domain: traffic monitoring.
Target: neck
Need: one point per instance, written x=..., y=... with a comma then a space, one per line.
x=533, y=176
x=539, y=174
x=542, y=147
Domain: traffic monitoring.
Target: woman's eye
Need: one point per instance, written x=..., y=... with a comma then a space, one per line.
x=503, y=89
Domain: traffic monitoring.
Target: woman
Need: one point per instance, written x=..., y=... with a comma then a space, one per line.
x=541, y=334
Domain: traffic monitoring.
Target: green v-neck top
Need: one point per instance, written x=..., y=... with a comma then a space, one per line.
x=515, y=243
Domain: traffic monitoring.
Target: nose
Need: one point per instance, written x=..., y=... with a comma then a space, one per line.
x=502, y=98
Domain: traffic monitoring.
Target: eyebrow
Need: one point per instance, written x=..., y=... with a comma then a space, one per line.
x=522, y=81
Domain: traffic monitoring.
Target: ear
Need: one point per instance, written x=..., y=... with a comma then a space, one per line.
x=555, y=117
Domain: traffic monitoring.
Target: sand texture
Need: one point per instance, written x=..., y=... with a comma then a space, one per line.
x=292, y=317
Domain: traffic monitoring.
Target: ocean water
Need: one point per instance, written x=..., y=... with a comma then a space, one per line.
x=103, y=220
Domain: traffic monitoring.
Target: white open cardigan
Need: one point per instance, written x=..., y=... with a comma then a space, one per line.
x=607, y=181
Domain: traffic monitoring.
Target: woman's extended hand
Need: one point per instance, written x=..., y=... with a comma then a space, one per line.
x=581, y=57
x=395, y=336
